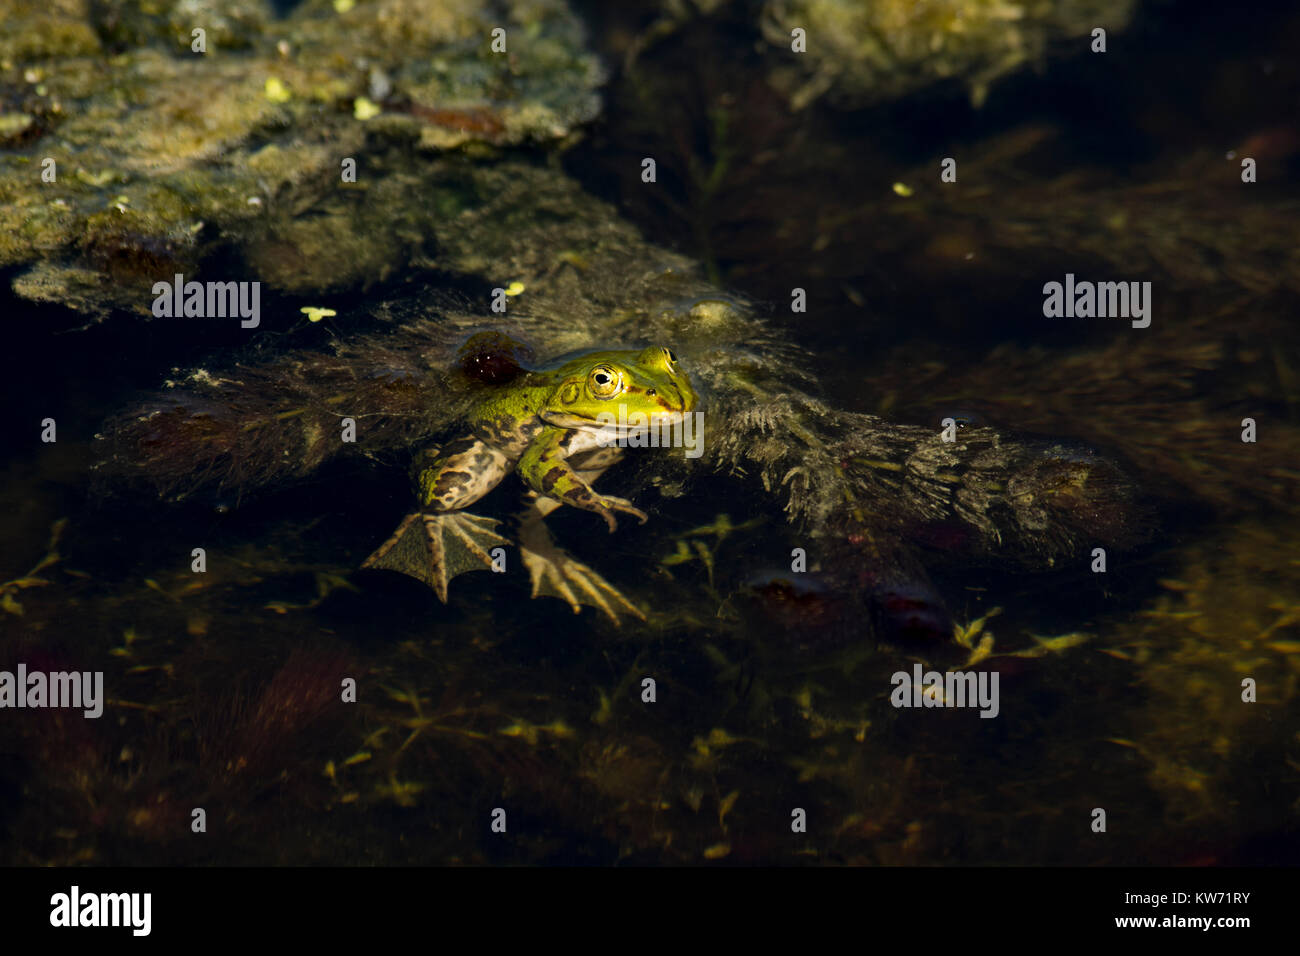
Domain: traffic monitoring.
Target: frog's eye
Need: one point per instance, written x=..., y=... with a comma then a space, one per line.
x=603, y=381
x=668, y=354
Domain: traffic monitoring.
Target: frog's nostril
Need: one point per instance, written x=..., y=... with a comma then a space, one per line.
x=651, y=391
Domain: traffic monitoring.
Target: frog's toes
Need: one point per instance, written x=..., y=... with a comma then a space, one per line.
x=451, y=544
x=575, y=583
x=458, y=542
x=473, y=533
x=608, y=505
x=554, y=573
x=603, y=505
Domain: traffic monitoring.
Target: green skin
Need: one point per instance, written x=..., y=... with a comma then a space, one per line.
x=548, y=417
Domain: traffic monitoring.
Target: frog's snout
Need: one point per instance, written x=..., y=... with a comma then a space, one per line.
x=685, y=399
x=675, y=399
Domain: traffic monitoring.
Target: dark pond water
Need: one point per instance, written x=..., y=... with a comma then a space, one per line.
x=1120, y=690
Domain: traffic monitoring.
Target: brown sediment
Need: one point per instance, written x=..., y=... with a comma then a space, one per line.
x=479, y=121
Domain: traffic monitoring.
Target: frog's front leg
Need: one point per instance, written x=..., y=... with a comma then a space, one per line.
x=544, y=468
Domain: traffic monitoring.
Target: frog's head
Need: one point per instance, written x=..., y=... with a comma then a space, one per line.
x=601, y=387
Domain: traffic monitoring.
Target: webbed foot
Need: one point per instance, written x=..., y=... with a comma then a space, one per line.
x=434, y=548
x=557, y=574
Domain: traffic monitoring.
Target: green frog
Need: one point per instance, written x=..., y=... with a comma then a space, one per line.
x=558, y=428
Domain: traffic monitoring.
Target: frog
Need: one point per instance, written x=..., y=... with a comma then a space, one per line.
x=559, y=428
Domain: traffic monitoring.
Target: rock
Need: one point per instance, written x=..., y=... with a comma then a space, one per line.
x=164, y=158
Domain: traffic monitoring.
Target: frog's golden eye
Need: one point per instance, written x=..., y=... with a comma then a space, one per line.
x=603, y=381
x=668, y=354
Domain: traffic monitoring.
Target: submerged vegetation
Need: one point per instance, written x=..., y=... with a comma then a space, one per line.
x=479, y=172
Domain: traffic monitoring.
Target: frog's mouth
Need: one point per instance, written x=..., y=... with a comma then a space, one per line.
x=619, y=420
x=671, y=404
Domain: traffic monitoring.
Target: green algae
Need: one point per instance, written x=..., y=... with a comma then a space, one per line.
x=858, y=53
x=163, y=157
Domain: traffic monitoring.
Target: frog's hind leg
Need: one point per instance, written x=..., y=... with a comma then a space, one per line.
x=434, y=548
x=557, y=574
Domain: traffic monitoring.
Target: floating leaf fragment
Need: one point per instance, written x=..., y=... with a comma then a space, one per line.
x=364, y=109
x=276, y=91
x=315, y=313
